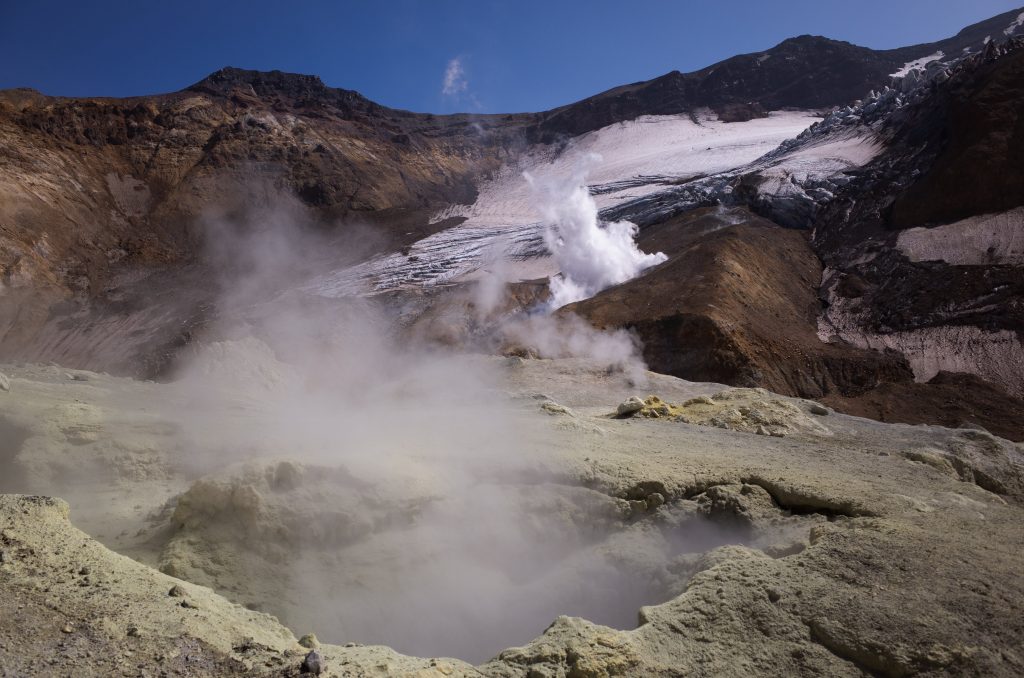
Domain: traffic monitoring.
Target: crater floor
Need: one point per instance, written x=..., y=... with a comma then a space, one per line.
x=763, y=534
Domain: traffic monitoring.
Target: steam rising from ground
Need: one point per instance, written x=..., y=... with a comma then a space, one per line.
x=363, y=487
x=591, y=256
x=569, y=336
x=373, y=490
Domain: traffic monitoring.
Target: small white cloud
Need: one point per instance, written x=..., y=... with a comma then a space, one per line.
x=455, y=82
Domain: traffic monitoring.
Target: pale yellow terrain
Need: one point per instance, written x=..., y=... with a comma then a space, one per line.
x=835, y=546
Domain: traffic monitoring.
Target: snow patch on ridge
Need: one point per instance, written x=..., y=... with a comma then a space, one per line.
x=1014, y=25
x=982, y=240
x=917, y=64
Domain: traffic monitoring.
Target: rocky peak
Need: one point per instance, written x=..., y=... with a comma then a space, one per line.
x=229, y=77
x=293, y=89
x=806, y=71
x=809, y=42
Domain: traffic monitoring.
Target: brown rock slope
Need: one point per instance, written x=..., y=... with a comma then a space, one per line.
x=737, y=303
x=90, y=182
x=949, y=399
x=98, y=194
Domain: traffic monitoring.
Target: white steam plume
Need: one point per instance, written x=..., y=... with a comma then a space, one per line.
x=591, y=256
x=374, y=490
x=569, y=336
x=489, y=292
x=365, y=487
x=455, y=82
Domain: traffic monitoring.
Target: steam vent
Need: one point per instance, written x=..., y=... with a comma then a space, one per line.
x=718, y=373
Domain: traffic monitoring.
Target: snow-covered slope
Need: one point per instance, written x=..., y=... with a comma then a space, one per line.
x=631, y=166
x=642, y=171
x=1015, y=25
x=635, y=158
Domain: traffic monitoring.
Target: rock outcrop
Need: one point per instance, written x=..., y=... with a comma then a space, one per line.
x=948, y=302
x=737, y=304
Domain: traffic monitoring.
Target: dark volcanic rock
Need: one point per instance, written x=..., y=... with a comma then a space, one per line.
x=948, y=399
x=952, y=155
x=313, y=663
x=804, y=72
x=978, y=122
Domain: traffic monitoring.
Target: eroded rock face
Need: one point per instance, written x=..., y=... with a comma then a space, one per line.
x=100, y=194
x=736, y=304
x=899, y=272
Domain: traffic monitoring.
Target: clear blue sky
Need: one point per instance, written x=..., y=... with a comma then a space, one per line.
x=514, y=56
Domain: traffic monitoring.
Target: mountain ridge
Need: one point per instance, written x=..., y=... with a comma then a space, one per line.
x=273, y=80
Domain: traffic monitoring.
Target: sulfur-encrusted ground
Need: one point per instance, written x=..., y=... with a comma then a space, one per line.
x=838, y=546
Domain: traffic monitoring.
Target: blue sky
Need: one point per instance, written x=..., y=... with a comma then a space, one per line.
x=511, y=56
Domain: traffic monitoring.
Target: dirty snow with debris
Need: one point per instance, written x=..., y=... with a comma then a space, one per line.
x=979, y=240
